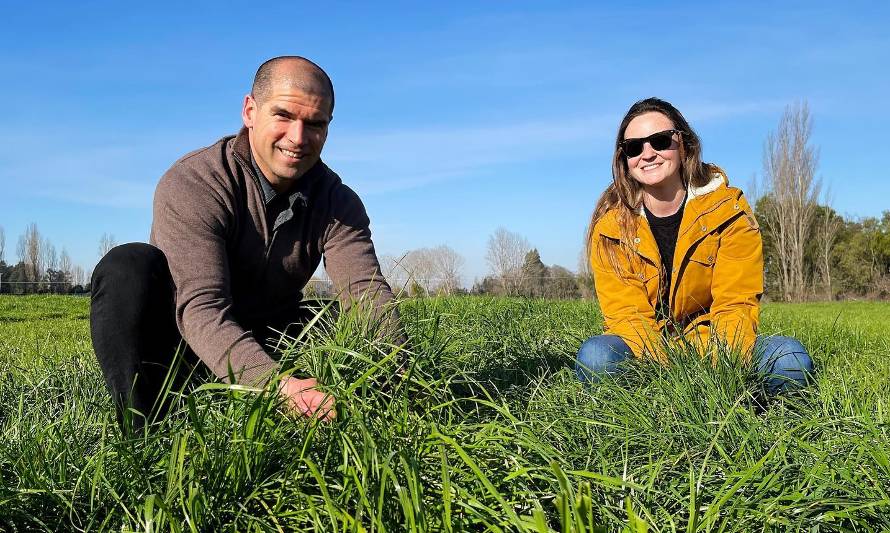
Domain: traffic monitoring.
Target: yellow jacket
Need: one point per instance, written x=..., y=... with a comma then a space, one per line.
x=717, y=278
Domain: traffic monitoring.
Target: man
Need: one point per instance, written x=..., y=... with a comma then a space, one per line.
x=238, y=229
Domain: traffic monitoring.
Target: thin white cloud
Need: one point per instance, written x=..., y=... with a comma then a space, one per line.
x=383, y=162
x=411, y=158
x=112, y=175
x=375, y=162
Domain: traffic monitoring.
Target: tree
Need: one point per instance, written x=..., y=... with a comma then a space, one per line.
x=66, y=267
x=58, y=281
x=106, y=243
x=420, y=267
x=48, y=255
x=505, y=254
x=826, y=229
x=487, y=285
x=29, y=248
x=533, y=275
x=790, y=164
x=17, y=275
x=2, y=242
x=562, y=283
x=65, y=264
x=78, y=276
x=448, y=266
x=4, y=276
x=393, y=273
x=586, y=286
x=424, y=271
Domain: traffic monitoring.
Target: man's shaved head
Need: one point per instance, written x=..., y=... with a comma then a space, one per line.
x=295, y=71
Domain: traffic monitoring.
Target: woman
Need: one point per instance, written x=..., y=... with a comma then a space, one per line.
x=676, y=254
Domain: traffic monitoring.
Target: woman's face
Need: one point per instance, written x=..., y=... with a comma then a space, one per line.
x=654, y=168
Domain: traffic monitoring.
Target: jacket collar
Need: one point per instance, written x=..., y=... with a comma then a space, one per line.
x=717, y=179
x=699, y=201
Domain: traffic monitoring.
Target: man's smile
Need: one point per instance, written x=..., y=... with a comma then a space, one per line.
x=288, y=153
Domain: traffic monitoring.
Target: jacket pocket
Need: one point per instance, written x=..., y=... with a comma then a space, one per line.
x=705, y=253
x=647, y=276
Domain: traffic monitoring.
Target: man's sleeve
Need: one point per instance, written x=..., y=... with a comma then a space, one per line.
x=190, y=224
x=351, y=262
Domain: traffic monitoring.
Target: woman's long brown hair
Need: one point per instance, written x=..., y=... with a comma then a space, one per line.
x=625, y=194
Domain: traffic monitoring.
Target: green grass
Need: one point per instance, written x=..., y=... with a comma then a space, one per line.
x=488, y=430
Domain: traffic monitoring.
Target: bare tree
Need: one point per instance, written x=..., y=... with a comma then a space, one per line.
x=48, y=255
x=448, y=266
x=395, y=274
x=106, y=243
x=2, y=242
x=585, y=276
x=506, y=252
x=78, y=276
x=827, y=229
x=790, y=163
x=420, y=268
x=427, y=270
x=65, y=264
x=28, y=249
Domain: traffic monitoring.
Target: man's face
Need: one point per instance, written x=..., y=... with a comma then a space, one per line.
x=287, y=132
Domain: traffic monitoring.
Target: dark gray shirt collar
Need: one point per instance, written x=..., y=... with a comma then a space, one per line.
x=283, y=212
x=269, y=192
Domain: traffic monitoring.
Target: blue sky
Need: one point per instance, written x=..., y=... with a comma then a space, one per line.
x=451, y=120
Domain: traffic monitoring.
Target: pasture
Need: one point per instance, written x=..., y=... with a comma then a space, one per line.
x=488, y=430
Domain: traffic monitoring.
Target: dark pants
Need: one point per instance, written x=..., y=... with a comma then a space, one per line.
x=134, y=332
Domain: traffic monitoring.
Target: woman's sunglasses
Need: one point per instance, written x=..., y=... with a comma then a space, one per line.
x=658, y=141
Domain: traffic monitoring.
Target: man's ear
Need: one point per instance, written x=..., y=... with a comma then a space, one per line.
x=249, y=111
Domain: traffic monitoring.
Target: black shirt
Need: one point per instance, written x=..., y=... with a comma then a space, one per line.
x=665, y=230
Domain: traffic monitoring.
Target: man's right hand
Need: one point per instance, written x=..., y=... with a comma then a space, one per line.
x=304, y=398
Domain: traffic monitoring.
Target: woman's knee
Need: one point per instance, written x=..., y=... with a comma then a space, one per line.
x=785, y=359
x=600, y=355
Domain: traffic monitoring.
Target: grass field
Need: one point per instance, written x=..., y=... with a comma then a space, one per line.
x=489, y=430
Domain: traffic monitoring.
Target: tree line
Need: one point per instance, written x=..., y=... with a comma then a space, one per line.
x=41, y=268
x=810, y=250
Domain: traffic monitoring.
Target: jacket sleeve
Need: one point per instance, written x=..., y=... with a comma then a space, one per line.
x=737, y=284
x=189, y=225
x=351, y=261
x=626, y=309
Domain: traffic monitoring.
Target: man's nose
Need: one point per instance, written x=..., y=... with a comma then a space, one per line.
x=296, y=132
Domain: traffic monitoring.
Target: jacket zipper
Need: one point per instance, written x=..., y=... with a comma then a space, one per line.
x=270, y=241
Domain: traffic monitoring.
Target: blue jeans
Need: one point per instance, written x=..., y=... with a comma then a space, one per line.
x=783, y=360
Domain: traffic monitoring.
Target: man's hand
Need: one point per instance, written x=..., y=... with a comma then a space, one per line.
x=304, y=398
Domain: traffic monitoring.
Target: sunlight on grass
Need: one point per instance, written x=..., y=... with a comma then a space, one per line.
x=484, y=428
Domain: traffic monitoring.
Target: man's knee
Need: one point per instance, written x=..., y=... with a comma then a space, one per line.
x=600, y=355
x=132, y=261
